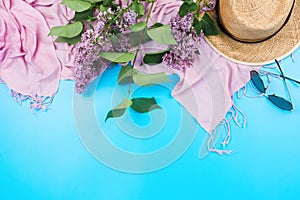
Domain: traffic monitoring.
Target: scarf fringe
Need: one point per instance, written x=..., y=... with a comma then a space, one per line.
x=234, y=114
x=36, y=102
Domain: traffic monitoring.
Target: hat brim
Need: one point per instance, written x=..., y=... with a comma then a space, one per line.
x=281, y=45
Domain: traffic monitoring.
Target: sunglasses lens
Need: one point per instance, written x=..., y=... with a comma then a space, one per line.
x=280, y=102
x=257, y=81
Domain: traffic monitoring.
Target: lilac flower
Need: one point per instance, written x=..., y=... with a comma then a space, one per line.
x=183, y=54
x=100, y=23
x=207, y=5
x=122, y=24
x=88, y=63
x=130, y=17
x=127, y=19
x=183, y=24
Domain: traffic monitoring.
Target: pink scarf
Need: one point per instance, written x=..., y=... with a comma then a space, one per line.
x=206, y=89
x=31, y=64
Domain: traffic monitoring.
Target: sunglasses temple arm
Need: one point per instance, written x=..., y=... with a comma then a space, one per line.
x=285, y=84
x=298, y=82
x=290, y=79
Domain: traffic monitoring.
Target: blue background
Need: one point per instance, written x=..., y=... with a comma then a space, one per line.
x=42, y=157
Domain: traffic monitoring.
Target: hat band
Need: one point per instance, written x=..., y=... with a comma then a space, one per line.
x=224, y=30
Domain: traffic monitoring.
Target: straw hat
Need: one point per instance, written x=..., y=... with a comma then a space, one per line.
x=256, y=32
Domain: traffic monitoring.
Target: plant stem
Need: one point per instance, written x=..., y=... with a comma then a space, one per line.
x=119, y=14
x=137, y=51
x=150, y=11
x=131, y=73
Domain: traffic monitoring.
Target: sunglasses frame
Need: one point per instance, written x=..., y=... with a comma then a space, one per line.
x=276, y=100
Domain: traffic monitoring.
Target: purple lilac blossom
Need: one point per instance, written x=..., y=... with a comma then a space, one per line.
x=88, y=65
x=207, y=5
x=127, y=19
x=130, y=17
x=122, y=24
x=183, y=54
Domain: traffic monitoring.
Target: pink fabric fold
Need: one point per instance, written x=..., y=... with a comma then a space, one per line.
x=206, y=89
x=31, y=63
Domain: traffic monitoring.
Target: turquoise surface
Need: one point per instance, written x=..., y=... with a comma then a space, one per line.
x=42, y=155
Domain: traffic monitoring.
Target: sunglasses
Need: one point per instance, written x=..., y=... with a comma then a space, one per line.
x=276, y=100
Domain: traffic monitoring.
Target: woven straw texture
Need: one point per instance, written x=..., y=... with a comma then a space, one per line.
x=253, y=18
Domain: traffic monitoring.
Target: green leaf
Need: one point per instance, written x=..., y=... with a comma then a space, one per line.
x=140, y=37
x=183, y=10
x=193, y=7
x=95, y=1
x=85, y=15
x=138, y=8
x=150, y=79
x=117, y=57
x=115, y=113
x=156, y=25
x=114, y=39
x=119, y=110
x=208, y=26
x=107, y=3
x=68, y=31
x=197, y=25
x=73, y=40
x=162, y=35
x=144, y=105
x=125, y=74
x=187, y=7
x=77, y=5
x=154, y=58
x=102, y=8
x=138, y=27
